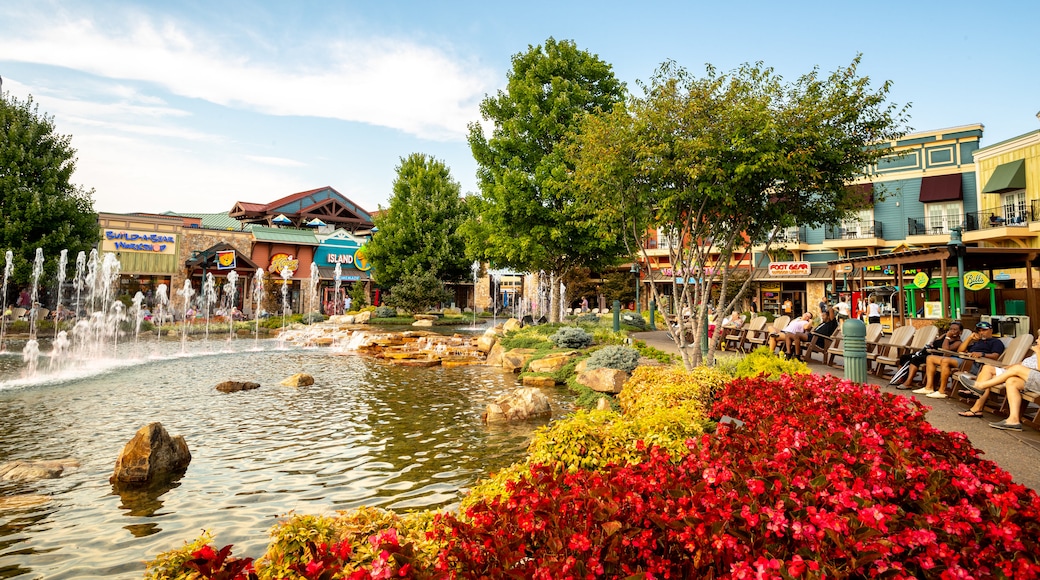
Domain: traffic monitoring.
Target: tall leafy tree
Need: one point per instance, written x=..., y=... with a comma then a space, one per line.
x=722, y=162
x=419, y=232
x=526, y=217
x=40, y=205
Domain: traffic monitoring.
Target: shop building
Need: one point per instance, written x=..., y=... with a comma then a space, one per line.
x=148, y=248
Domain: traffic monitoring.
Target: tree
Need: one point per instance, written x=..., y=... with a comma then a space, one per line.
x=418, y=293
x=419, y=232
x=722, y=163
x=526, y=217
x=40, y=205
x=358, y=296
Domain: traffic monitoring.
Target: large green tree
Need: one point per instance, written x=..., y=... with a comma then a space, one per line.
x=419, y=232
x=526, y=218
x=722, y=162
x=40, y=205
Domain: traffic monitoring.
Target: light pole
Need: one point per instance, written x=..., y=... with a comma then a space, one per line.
x=635, y=274
x=956, y=247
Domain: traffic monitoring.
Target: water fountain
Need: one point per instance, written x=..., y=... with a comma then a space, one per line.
x=476, y=272
x=312, y=294
x=286, y=276
x=63, y=262
x=231, y=305
x=186, y=293
x=335, y=297
x=258, y=303
x=9, y=257
x=563, y=300
x=209, y=298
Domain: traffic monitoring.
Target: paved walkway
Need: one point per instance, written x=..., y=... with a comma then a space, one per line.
x=1016, y=452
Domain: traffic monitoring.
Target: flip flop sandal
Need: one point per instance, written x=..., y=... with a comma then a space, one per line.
x=974, y=414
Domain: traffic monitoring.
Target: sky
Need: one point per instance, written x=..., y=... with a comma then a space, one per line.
x=191, y=106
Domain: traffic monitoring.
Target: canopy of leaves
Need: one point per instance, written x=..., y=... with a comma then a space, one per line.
x=419, y=232
x=418, y=293
x=526, y=217
x=41, y=208
x=721, y=162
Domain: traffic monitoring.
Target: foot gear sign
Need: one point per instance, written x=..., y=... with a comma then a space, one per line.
x=936, y=395
x=1005, y=426
x=923, y=391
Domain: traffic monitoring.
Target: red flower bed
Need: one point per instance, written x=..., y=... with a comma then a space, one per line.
x=825, y=479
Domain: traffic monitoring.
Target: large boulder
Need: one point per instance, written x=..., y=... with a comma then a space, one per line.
x=33, y=470
x=236, y=386
x=299, y=380
x=427, y=322
x=514, y=360
x=520, y=405
x=494, y=358
x=511, y=325
x=363, y=317
x=487, y=340
x=151, y=456
x=603, y=380
x=551, y=363
x=538, y=381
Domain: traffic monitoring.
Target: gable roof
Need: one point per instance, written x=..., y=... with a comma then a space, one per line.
x=324, y=203
x=284, y=235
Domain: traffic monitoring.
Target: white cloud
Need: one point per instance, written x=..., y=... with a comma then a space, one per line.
x=384, y=82
x=276, y=161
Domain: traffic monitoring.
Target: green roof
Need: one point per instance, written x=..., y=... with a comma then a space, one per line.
x=1007, y=177
x=291, y=236
x=212, y=221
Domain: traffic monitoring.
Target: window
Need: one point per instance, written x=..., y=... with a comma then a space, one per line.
x=859, y=226
x=1015, y=207
x=667, y=238
x=943, y=216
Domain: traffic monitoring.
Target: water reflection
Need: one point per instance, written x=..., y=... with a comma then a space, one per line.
x=365, y=433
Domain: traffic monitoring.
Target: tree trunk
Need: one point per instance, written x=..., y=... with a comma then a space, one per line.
x=554, y=300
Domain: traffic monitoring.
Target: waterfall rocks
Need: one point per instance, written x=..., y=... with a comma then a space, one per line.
x=33, y=470
x=540, y=382
x=511, y=325
x=551, y=363
x=236, y=386
x=298, y=380
x=363, y=317
x=603, y=380
x=514, y=360
x=151, y=456
x=487, y=340
x=520, y=405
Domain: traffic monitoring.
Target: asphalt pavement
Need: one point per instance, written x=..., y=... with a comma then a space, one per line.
x=1016, y=452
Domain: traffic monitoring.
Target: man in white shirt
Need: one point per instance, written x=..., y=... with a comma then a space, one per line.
x=843, y=308
x=795, y=333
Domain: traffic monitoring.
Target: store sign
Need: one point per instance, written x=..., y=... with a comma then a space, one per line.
x=975, y=280
x=789, y=268
x=844, y=268
x=226, y=260
x=921, y=280
x=137, y=241
x=283, y=261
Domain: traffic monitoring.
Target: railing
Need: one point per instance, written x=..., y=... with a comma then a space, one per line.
x=658, y=244
x=792, y=235
x=915, y=227
x=1012, y=215
x=938, y=225
x=853, y=230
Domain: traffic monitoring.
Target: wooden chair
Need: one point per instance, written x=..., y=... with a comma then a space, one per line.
x=836, y=349
x=758, y=337
x=875, y=339
x=919, y=338
x=762, y=338
x=732, y=333
x=874, y=333
x=755, y=325
x=1014, y=353
x=18, y=313
x=826, y=342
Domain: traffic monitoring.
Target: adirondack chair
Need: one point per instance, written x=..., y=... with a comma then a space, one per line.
x=873, y=335
x=761, y=338
x=821, y=343
x=919, y=338
x=732, y=333
x=1014, y=353
x=755, y=325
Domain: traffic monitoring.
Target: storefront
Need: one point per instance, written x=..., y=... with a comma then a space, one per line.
x=341, y=265
x=286, y=255
x=147, y=248
x=216, y=264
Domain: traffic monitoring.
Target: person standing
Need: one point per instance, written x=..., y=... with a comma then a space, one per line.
x=873, y=311
x=843, y=308
x=346, y=304
x=584, y=304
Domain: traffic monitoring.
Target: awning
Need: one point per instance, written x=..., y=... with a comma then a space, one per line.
x=864, y=191
x=941, y=188
x=346, y=274
x=1007, y=177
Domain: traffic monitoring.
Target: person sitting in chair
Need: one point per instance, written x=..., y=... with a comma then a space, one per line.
x=1015, y=378
x=950, y=340
x=795, y=333
x=980, y=344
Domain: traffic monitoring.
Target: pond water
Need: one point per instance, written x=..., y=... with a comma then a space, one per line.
x=366, y=433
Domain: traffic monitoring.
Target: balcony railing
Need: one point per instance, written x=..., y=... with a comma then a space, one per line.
x=853, y=230
x=1008, y=216
x=792, y=235
x=934, y=226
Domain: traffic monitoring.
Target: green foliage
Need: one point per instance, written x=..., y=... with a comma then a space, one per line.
x=514, y=340
x=651, y=389
x=417, y=293
x=614, y=356
x=650, y=352
x=358, y=296
x=524, y=217
x=419, y=232
x=384, y=312
x=170, y=565
x=763, y=361
x=571, y=337
x=633, y=320
x=312, y=318
x=587, y=318
x=273, y=322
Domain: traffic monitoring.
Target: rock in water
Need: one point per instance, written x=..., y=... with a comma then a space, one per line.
x=32, y=470
x=151, y=456
x=235, y=386
x=520, y=405
x=299, y=380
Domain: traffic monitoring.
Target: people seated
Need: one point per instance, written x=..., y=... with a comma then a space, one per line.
x=796, y=332
x=980, y=344
x=1015, y=379
x=950, y=340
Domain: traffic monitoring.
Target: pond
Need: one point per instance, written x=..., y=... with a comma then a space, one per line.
x=366, y=433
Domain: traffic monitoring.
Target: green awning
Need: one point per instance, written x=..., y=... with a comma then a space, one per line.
x=1007, y=177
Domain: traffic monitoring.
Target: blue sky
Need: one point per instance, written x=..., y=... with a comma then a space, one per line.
x=193, y=105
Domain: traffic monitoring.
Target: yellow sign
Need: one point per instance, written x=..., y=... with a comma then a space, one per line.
x=921, y=280
x=975, y=280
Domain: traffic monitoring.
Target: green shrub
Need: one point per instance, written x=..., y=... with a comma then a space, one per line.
x=384, y=312
x=312, y=318
x=763, y=361
x=633, y=319
x=169, y=565
x=587, y=318
x=571, y=337
x=654, y=353
x=513, y=340
x=615, y=356
x=653, y=388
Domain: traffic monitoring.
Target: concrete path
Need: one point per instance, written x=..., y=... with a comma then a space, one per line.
x=1016, y=452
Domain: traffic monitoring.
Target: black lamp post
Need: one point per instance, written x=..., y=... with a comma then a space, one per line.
x=956, y=247
x=635, y=273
